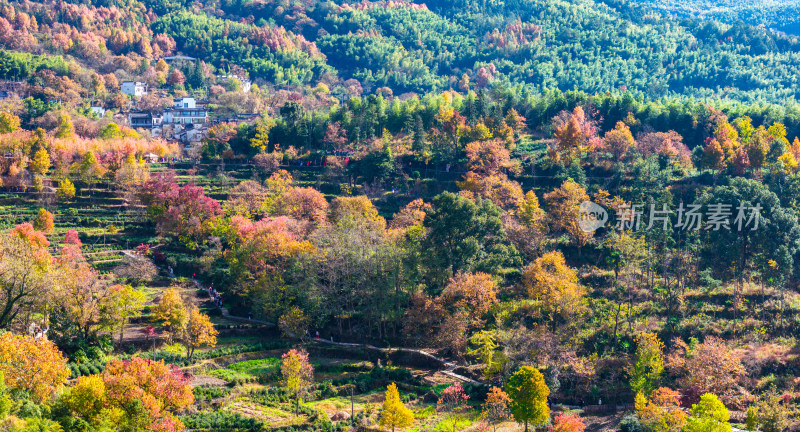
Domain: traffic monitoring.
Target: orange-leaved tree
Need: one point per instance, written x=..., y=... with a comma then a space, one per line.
x=568, y=423
x=32, y=365
x=661, y=411
x=25, y=272
x=44, y=221
x=158, y=388
x=563, y=205
x=496, y=407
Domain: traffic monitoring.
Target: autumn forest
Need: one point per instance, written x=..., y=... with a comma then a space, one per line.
x=421, y=216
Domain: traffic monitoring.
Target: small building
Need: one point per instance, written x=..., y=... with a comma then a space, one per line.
x=97, y=111
x=151, y=157
x=246, y=83
x=146, y=121
x=184, y=102
x=185, y=110
x=190, y=134
x=134, y=88
x=179, y=60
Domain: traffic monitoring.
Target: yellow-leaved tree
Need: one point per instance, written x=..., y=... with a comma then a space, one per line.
x=33, y=365
x=40, y=163
x=649, y=365
x=394, y=414
x=563, y=204
x=199, y=332
x=170, y=312
x=297, y=373
x=528, y=393
x=66, y=190
x=555, y=285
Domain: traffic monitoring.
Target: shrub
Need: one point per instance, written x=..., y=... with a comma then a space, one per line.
x=630, y=424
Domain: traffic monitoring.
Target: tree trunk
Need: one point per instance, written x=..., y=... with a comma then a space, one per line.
x=122, y=331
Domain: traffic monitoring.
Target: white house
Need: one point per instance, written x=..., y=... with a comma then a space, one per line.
x=184, y=102
x=185, y=111
x=97, y=111
x=134, y=88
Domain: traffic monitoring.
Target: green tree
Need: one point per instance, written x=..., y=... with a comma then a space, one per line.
x=65, y=127
x=708, y=415
x=649, y=365
x=465, y=236
x=394, y=414
x=763, y=236
x=528, y=393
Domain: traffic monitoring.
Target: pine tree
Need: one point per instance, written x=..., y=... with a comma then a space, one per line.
x=418, y=143
x=394, y=413
x=197, y=79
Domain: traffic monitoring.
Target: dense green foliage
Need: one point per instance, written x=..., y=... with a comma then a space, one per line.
x=405, y=46
x=780, y=15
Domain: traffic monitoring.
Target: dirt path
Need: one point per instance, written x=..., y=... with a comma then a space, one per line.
x=448, y=366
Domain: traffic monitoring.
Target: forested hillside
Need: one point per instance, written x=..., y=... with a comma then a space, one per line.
x=780, y=15
x=418, y=47
x=486, y=215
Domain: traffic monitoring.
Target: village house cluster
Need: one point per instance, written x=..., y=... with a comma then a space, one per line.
x=186, y=121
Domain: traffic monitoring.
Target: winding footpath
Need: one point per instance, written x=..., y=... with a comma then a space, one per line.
x=448, y=367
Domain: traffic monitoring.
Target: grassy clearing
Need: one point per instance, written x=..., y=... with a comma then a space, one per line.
x=248, y=370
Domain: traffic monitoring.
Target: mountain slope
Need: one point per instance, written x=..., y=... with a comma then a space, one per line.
x=780, y=15
x=566, y=44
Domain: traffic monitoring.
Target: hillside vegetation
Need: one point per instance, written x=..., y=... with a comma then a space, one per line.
x=416, y=47
x=487, y=215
